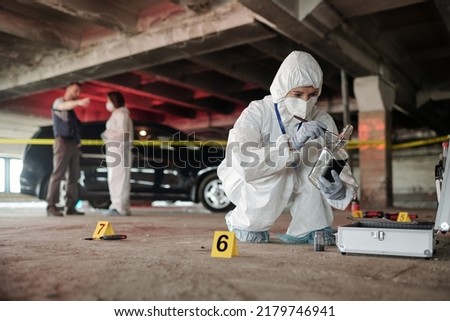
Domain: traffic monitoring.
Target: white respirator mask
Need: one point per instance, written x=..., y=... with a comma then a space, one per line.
x=300, y=107
x=110, y=106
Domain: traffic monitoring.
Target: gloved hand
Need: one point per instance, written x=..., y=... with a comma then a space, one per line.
x=308, y=130
x=332, y=191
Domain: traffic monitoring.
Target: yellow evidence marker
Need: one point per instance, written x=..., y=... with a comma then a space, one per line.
x=103, y=228
x=403, y=217
x=224, y=245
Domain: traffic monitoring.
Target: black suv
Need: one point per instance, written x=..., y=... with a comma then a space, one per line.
x=160, y=171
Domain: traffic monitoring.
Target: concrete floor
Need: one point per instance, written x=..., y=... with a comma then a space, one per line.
x=167, y=257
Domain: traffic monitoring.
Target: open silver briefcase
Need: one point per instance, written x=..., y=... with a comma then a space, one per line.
x=386, y=237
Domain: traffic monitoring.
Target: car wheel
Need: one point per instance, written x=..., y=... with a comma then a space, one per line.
x=212, y=194
x=102, y=204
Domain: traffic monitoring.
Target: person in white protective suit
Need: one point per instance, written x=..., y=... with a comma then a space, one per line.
x=270, y=155
x=118, y=138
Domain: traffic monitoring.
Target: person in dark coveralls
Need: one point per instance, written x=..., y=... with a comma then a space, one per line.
x=66, y=154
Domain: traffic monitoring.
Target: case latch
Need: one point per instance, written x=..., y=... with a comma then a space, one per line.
x=378, y=235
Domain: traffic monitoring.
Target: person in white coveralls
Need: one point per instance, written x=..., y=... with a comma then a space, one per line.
x=118, y=138
x=270, y=154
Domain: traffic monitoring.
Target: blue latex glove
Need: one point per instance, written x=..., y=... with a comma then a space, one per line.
x=332, y=191
x=308, y=130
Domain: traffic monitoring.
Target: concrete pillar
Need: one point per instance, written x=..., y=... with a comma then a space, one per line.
x=375, y=99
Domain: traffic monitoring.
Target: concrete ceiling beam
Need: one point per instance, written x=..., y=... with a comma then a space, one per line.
x=350, y=8
x=177, y=111
x=443, y=7
x=205, y=82
x=167, y=42
x=147, y=93
x=376, y=52
x=323, y=30
x=389, y=51
x=216, y=105
x=436, y=92
x=108, y=16
x=230, y=68
x=37, y=31
x=99, y=90
x=288, y=25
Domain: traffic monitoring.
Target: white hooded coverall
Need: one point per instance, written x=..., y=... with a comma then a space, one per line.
x=260, y=174
x=118, y=137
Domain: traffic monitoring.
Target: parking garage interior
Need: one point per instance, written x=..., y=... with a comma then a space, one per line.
x=195, y=65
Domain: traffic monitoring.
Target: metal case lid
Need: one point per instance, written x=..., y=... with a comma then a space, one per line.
x=443, y=213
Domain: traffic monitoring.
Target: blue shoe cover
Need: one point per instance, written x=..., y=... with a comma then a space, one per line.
x=288, y=239
x=330, y=239
x=251, y=237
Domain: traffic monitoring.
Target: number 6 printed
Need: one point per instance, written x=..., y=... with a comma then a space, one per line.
x=224, y=244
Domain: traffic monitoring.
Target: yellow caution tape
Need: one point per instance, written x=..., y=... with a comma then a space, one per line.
x=99, y=142
x=221, y=143
x=355, y=144
x=422, y=142
x=34, y=141
x=352, y=144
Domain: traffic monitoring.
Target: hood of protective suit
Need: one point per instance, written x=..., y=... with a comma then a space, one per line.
x=298, y=69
